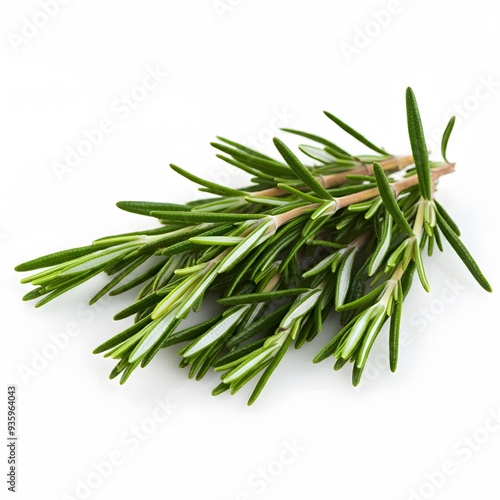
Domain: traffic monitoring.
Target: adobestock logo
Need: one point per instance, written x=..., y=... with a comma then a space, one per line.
x=42, y=357
x=223, y=7
x=226, y=173
x=462, y=451
x=32, y=26
x=280, y=118
x=464, y=109
x=483, y=90
x=364, y=35
x=275, y=468
x=378, y=363
x=265, y=476
x=121, y=109
x=428, y=314
x=130, y=441
x=420, y=320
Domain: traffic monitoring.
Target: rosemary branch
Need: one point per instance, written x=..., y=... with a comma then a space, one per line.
x=343, y=234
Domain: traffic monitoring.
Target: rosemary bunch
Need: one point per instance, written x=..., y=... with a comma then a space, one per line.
x=345, y=233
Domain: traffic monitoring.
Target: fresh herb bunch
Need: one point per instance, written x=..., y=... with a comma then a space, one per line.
x=344, y=234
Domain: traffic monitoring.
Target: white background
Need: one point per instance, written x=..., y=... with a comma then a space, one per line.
x=239, y=69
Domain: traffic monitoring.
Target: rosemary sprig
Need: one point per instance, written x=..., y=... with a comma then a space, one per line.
x=343, y=234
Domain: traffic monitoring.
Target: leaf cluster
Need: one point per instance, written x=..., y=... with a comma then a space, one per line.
x=343, y=234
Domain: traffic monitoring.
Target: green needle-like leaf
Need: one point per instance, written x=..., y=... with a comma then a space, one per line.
x=364, y=300
x=72, y=283
x=238, y=353
x=418, y=144
x=417, y=255
x=394, y=335
x=138, y=306
x=269, y=370
x=300, y=194
x=246, y=149
x=252, y=298
x=56, y=258
x=355, y=134
x=374, y=329
x=149, y=273
x=389, y=201
x=446, y=137
x=462, y=252
x=196, y=217
x=382, y=246
x=191, y=332
x=301, y=171
x=447, y=218
x=225, y=241
x=267, y=166
x=330, y=348
x=221, y=329
x=146, y=207
x=336, y=151
x=344, y=274
x=266, y=322
x=212, y=186
x=117, y=279
x=122, y=336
